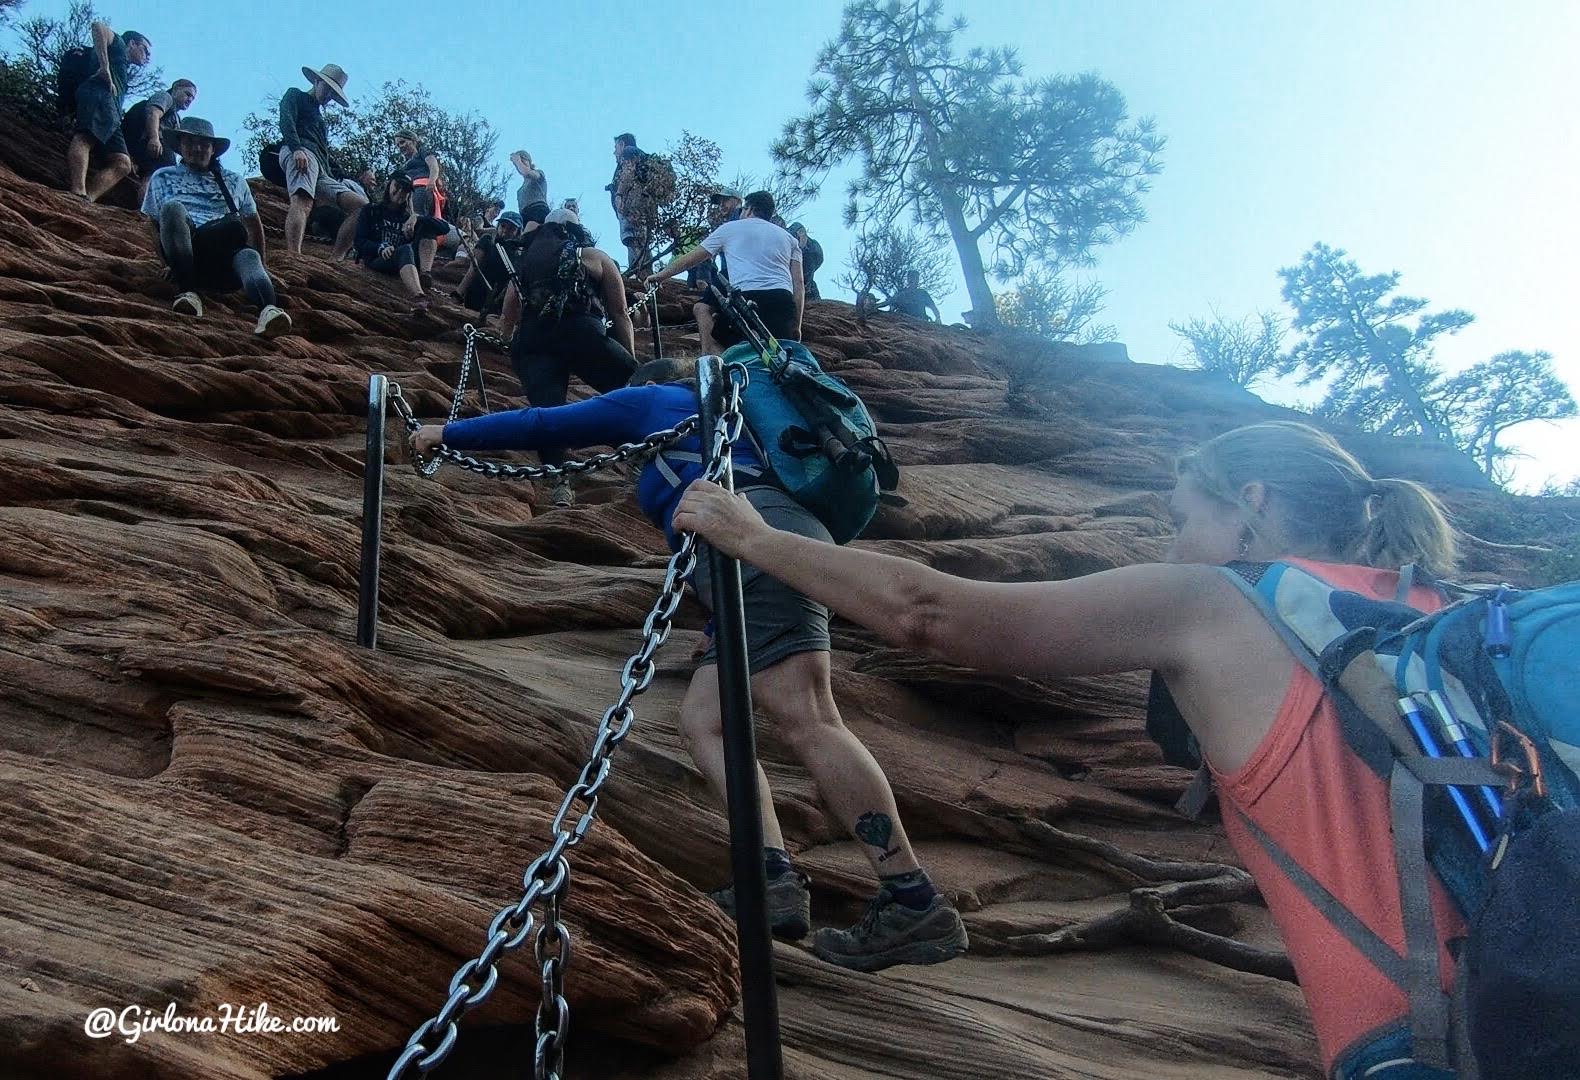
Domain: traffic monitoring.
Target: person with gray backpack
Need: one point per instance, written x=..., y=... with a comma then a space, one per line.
x=1395, y=768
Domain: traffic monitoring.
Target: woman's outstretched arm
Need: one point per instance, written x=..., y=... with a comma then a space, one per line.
x=1131, y=618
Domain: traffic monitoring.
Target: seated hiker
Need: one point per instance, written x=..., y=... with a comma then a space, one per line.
x=1268, y=730
x=913, y=300
x=788, y=642
x=306, y=161
x=568, y=288
x=483, y=285
x=490, y=214
x=387, y=232
x=150, y=129
x=811, y=259
x=97, y=99
x=427, y=196
x=207, y=230
x=764, y=264
x=534, y=183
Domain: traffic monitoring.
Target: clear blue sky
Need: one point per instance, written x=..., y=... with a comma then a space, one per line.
x=1435, y=137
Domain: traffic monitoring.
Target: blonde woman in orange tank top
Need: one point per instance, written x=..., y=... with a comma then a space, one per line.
x=1275, y=491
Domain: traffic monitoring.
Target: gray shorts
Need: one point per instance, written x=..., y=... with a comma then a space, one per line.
x=313, y=180
x=780, y=622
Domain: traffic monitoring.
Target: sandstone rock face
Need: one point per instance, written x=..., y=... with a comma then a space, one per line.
x=213, y=796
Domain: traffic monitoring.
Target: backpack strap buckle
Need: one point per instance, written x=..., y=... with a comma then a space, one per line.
x=1533, y=760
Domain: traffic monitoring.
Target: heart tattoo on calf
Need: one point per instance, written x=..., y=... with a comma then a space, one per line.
x=876, y=830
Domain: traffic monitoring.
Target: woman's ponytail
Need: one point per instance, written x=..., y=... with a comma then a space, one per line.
x=1407, y=525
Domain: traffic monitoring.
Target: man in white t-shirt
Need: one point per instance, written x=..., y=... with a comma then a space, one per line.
x=765, y=265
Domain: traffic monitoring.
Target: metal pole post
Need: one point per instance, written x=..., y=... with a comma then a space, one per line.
x=372, y=515
x=759, y=996
x=652, y=321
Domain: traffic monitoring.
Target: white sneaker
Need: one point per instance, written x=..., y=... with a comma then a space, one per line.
x=188, y=303
x=272, y=322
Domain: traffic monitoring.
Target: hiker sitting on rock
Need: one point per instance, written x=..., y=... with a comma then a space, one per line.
x=1266, y=727
x=206, y=228
x=305, y=159
x=569, y=287
x=909, y=921
x=151, y=129
x=427, y=195
x=764, y=264
x=387, y=232
x=98, y=99
x=913, y=300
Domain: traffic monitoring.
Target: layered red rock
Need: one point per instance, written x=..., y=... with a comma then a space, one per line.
x=214, y=796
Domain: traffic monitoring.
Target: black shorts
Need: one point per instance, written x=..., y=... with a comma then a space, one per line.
x=775, y=307
x=214, y=247
x=780, y=622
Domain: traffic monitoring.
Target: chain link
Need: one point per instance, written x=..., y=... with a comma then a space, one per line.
x=652, y=291
x=547, y=880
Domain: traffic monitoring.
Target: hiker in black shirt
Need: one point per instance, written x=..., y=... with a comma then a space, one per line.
x=811, y=259
x=483, y=286
x=913, y=300
x=386, y=232
x=98, y=101
x=569, y=287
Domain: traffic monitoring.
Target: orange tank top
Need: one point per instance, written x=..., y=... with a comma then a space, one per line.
x=1321, y=804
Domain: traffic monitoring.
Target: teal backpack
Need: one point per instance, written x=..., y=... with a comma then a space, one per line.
x=1472, y=716
x=814, y=436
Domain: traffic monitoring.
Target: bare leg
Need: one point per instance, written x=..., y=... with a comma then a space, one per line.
x=798, y=698
x=796, y=695
x=351, y=203
x=77, y=154
x=425, y=253
x=296, y=221
x=408, y=278
x=705, y=340
x=702, y=726
x=116, y=170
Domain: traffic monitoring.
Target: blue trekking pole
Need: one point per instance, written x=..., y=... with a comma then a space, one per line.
x=1457, y=736
x=1423, y=735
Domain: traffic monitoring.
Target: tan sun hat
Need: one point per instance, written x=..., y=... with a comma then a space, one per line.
x=332, y=76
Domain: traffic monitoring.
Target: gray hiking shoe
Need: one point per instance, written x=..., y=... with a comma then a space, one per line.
x=789, y=905
x=188, y=303
x=891, y=933
x=562, y=496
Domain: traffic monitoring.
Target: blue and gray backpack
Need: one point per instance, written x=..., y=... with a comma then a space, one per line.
x=1472, y=715
x=813, y=434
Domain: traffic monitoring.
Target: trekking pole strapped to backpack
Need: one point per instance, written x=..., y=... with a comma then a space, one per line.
x=1471, y=716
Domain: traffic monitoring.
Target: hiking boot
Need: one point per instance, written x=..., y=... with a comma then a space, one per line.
x=891, y=933
x=561, y=496
x=188, y=303
x=425, y=279
x=272, y=322
x=789, y=905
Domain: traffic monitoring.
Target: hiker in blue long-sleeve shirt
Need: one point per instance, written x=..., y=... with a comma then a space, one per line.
x=787, y=638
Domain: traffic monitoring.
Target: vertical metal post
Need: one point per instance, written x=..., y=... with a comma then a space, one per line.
x=759, y=996
x=372, y=515
x=482, y=387
x=652, y=321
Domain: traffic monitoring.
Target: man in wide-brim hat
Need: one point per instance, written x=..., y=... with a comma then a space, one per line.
x=304, y=158
x=206, y=228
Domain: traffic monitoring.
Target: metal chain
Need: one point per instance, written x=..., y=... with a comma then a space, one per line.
x=547, y=879
x=652, y=291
